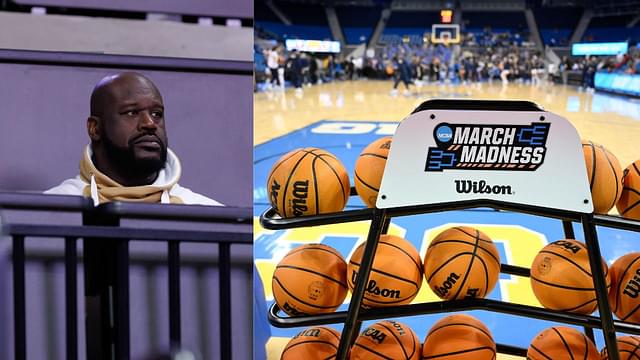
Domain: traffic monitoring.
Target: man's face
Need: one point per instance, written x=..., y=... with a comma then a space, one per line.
x=133, y=125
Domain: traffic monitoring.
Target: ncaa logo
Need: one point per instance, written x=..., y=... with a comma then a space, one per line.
x=444, y=133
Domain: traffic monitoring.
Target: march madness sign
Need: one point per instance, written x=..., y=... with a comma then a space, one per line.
x=488, y=147
x=444, y=156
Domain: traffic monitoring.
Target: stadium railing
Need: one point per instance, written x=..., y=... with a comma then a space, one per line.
x=106, y=263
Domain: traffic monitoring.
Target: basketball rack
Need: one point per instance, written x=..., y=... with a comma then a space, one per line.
x=380, y=220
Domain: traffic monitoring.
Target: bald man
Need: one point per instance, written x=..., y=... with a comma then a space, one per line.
x=128, y=158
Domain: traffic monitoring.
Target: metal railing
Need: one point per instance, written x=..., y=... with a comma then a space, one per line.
x=106, y=264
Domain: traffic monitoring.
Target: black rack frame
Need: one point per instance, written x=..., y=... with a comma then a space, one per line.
x=380, y=219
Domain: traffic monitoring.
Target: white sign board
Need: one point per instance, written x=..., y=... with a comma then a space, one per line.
x=531, y=158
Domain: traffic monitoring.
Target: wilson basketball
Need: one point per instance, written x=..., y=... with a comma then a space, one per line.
x=629, y=204
x=310, y=279
x=313, y=343
x=369, y=168
x=459, y=336
x=389, y=70
x=386, y=339
x=462, y=262
x=628, y=348
x=624, y=294
x=605, y=176
x=308, y=181
x=561, y=342
x=561, y=277
x=396, y=274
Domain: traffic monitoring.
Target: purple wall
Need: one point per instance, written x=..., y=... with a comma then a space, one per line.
x=43, y=111
x=222, y=8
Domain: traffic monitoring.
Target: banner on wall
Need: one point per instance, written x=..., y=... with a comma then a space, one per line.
x=604, y=48
x=313, y=45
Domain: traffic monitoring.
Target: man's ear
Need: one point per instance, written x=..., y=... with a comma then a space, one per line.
x=93, y=128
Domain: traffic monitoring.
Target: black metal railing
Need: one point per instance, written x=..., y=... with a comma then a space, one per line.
x=106, y=264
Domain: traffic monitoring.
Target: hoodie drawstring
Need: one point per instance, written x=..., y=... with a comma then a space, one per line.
x=165, y=198
x=94, y=191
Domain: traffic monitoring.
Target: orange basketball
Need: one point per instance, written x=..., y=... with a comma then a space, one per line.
x=389, y=69
x=369, y=168
x=561, y=342
x=308, y=181
x=462, y=262
x=458, y=337
x=629, y=204
x=396, y=274
x=628, y=348
x=625, y=288
x=314, y=343
x=561, y=277
x=387, y=339
x=310, y=279
x=605, y=176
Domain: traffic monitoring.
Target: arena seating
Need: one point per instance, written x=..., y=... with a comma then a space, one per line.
x=358, y=23
x=556, y=24
x=611, y=28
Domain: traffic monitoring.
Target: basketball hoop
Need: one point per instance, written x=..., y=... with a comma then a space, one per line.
x=445, y=34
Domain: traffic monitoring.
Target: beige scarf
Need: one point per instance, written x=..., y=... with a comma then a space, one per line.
x=103, y=189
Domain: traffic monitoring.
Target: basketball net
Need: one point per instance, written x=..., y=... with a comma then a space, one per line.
x=446, y=39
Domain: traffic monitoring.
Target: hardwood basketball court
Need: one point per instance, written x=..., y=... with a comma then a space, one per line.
x=611, y=120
